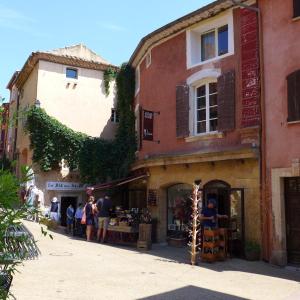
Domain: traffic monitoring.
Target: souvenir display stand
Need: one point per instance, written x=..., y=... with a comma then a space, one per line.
x=214, y=246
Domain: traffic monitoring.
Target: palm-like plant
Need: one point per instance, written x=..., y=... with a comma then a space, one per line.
x=16, y=242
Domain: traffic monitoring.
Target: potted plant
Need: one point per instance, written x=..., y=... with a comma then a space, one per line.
x=252, y=251
x=178, y=239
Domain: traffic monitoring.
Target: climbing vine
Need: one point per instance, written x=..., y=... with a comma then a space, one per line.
x=52, y=141
x=98, y=160
x=102, y=160
x=125, y=142
x=108, y=76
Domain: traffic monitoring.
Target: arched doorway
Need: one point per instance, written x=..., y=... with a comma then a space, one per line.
x=230, y=202
x=178, y=209
x=219, y=191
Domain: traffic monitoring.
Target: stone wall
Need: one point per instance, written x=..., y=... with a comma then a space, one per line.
x=237, y=173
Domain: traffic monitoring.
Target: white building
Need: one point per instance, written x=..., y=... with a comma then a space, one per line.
x=69, y=85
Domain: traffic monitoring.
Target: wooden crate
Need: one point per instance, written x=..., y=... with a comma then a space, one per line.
x=143, y=245
x=145, y=232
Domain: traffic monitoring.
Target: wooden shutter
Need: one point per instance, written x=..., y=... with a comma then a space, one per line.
x=182, y=110
x=296, y=8
x=226, y=101
x=293, y=87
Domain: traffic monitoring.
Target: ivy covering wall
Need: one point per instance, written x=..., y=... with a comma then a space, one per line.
x=52, y=141
x=98, y=160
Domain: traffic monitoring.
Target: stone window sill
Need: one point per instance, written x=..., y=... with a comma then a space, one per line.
x=293, y=122
x=209, y=136
x=296, y=19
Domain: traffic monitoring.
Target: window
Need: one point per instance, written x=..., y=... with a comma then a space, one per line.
x=137, y=79
x=210, y=40
x=71, y=73
x=206, y=108
x=296, y=8
x=208, y=45
x=223, y=40
x=293, y=89
x=114, y=116
x=179, y=209
x=148, y=59
x=213, y=42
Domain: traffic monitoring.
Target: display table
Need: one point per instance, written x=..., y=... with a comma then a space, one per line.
x=124, y=235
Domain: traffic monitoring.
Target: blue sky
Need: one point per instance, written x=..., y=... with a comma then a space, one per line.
x=110, y=28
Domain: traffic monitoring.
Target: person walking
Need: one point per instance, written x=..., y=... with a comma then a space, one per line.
x=70, y=218
x=54, y=210
x=95, y=214
x=104, y=207
x=78, y=217
x=89, y=218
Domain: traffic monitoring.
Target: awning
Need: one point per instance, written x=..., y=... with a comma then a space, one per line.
x=116, y=183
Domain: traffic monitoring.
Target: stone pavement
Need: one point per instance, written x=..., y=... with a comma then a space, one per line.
x=74, y=269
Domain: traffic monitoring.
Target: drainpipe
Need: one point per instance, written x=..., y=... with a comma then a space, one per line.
x=262, y=132
x=16, y=129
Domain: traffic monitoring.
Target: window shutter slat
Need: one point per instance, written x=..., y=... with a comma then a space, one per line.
x=293, y=86
x=182, y=110
x=226, y=101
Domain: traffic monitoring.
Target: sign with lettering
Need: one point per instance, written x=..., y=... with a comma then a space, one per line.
x=148, y=125
x=152, y=197
x=64, y=186
x=250, y=68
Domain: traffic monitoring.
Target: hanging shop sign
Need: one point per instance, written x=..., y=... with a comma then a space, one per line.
x=148, y=125
x=64, y=186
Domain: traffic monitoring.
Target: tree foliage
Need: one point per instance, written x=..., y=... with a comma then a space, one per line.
x=108, y=76
x=15, y=245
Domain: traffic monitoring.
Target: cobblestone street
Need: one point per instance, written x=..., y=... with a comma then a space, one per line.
x=74, y=269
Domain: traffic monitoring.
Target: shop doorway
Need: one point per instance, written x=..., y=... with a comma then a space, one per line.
x=65, y=202
x=292, y=213
x=230, y=202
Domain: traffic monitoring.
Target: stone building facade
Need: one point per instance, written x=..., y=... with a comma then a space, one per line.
x=198, y=118
x=68, y=83
x=281, y=205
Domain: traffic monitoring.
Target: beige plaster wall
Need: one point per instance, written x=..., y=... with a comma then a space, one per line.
x=237, y=173
x=28, y=95
x=41, y=179
x=80, y=104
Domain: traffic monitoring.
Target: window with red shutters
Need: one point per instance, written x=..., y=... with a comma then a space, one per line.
x=226, y=101
x=293, y=91
x=182, y=111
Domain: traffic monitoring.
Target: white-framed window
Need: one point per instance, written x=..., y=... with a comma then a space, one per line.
x=72, y=73
x=206, y=108
x=114, y=118
x=148, y=59
x=210, y=40
x=214, y=43
x=137, y=79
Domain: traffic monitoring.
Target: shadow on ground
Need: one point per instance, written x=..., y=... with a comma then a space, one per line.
x=192, y=293
x=174, y=255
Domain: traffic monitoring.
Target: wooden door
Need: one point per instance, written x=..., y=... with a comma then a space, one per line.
x=292, y=213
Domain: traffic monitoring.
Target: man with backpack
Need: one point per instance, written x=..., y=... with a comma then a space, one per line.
x=104, y=207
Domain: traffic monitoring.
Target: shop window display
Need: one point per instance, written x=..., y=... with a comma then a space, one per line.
x=179, y=209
